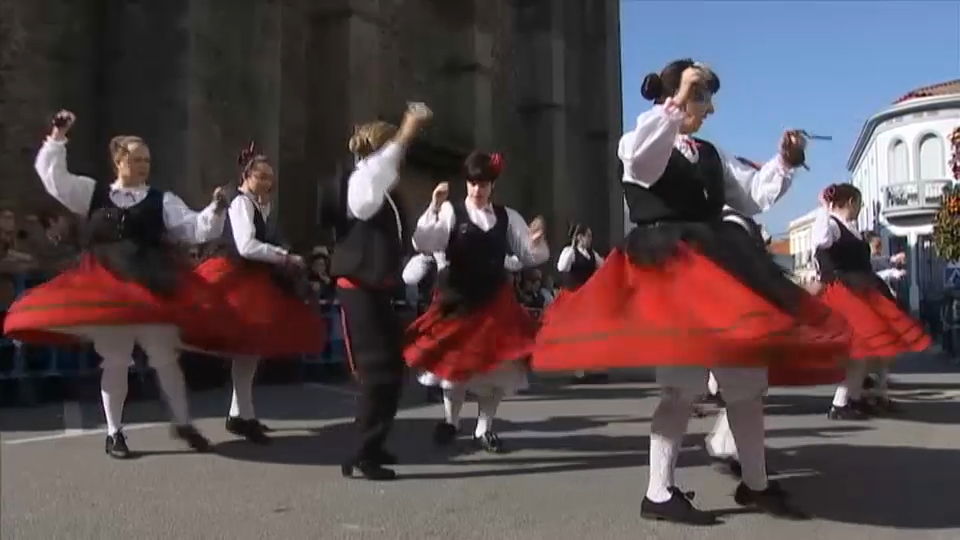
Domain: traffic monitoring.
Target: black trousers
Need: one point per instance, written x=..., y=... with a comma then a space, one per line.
x=373, y=335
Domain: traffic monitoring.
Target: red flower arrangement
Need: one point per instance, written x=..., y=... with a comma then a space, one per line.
x=946, y=228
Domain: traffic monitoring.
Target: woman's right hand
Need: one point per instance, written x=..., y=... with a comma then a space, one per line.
x=440, y=195
x=691, y=81
x=62, y=122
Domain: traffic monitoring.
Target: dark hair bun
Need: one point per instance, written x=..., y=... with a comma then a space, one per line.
x=652, y=87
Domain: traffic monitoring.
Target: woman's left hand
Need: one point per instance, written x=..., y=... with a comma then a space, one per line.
x=793, y=146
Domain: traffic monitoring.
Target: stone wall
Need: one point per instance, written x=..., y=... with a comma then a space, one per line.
x=532, y=79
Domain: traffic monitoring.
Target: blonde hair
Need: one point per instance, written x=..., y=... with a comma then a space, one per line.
x=120, y=146
x=368, y=138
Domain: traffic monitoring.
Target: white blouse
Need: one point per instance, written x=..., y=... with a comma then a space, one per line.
x=569, y=254
x=242, y=210
x=418, y=265
x=434, y=227
x=646, y=150
x=76, y=193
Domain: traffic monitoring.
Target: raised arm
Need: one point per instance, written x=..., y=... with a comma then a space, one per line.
x=512, y=263
x=373, y=178
x=529, y=251
x=241, y=212
x=190, y=227
x=565, y=261
x=646, y=149
x=72, y=191
x=752, y=188
x=433, y=228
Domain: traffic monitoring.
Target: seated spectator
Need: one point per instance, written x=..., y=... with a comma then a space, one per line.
x=319, y=276
x=51, y=242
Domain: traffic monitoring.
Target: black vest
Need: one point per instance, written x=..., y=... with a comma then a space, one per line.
x=369, y=252
x=746, y=224
x=475, y=273
x=847, y=255
x=692, y=192
x=129, y=242
x=264, y=230
x=580, y=271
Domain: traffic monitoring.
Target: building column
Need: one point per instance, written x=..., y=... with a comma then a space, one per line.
x=913, y=266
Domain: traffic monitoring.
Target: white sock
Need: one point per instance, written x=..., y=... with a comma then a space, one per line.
x=712, y=385
x=851, y=389
x=453, y=399
x=841, y=396
x=883, y=381
x=113, y=392
x=746, y=425
x=666, y=433
x=243, y=372
x=486, y=411
x=174, y=389
x=720, y=441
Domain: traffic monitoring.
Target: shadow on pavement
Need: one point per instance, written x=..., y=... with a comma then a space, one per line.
x=885, y=486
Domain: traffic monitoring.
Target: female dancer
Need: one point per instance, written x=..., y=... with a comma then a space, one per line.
x=130, y=287
x=881, y=329
x=367, y=263
x=255, y=276
x=577, y=262
x=689, y=292
x=890, y=270
x=512, y=377
x=474, y=332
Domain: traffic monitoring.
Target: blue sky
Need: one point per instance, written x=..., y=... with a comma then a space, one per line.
x=821, y=66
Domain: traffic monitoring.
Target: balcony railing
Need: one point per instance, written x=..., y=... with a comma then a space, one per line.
x=920, y=197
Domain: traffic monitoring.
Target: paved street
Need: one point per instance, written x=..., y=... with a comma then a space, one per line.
x=577, y=471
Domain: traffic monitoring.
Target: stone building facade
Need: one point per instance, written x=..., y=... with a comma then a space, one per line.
x=538, y=80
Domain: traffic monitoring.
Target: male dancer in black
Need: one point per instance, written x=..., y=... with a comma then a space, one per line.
x=367, y=263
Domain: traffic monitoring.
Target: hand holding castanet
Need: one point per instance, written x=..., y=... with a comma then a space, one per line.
x=62, y=122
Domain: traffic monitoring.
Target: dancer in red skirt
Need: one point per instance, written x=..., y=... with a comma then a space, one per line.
x=130, y=288
x=881, y=328
x=475, y=331
x=688, y=292
x=256, y=277
x=577, y=262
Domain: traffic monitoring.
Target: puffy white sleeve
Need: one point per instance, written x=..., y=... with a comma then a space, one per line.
x=825, y=230
x=565, y=261
x=190, y=227
x=646, y=149
x=512, y=263
x=373, y=178
x=242, y=213
x=518, y=235
x=72, y=191
x=417, y=268
x=433, y=229
x=752, y=188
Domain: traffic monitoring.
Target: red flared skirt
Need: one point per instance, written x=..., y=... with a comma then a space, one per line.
x=787, y=375
x=685, y=311
x=457, y=348
x=271, y=323
x=89, y=295
x=880, y=328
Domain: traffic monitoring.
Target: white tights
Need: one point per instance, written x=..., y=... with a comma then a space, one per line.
x=243, y=371
x=115, y=346
x=851, y=389
x=487, y=405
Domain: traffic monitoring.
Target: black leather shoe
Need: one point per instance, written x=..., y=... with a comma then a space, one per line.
x=368, y=470
x=191, y=436
x=773, y=501
x=444, y=434
x=847, y=412
x=249, y=429
x=116, y=446
x=382, y=457
x=677, y=509
x=490, y=442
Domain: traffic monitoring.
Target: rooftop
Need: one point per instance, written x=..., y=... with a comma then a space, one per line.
x=939, y=89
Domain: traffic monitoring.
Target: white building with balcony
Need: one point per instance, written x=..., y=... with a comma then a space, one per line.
x=800, y=233
x=900, y=163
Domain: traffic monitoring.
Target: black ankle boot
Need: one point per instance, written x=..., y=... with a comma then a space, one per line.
x=677, y=509
x=116, y=446
x=849, y=411
x=382, y=457
x=773, y=501
x=490, y=442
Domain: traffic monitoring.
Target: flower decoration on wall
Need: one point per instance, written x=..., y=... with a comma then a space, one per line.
x=946, y=228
